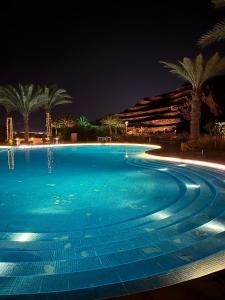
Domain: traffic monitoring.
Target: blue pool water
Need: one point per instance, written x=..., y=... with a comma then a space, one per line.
x=103, y=221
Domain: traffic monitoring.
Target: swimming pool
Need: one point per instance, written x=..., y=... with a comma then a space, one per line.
x=105, y=220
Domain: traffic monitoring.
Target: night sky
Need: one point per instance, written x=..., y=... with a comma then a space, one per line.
x=106, y=54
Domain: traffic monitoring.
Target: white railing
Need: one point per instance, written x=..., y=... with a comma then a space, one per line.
x=104, y=139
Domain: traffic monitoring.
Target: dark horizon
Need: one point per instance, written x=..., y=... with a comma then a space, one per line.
x=106, y=54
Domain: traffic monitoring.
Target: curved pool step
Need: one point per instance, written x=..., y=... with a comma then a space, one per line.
x=98, y=262
x=162, y=229
x=126, y=272
x=70, y=251
x=155, y=216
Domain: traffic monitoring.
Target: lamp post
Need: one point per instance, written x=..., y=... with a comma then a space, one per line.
x=126, y=124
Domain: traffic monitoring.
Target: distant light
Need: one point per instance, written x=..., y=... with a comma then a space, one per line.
x=17, y=141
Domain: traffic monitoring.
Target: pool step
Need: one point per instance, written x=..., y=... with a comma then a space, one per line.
x=49, y=282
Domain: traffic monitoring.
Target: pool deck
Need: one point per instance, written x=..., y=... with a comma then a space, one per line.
x=171, y=150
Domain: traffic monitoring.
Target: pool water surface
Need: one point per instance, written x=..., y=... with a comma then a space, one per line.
x=103, y=221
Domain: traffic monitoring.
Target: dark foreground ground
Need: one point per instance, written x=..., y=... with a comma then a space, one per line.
x=208, y=287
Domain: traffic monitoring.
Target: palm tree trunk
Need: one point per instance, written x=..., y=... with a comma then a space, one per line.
x=26, y=127
x=195, y=114
x=48, y=125
x=9, y=127
x=110, y=130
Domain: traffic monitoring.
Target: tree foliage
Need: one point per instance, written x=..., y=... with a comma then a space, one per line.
x=83, y=121
x=197, y=71
x=217, y=32
x=112, y=121
x=22, y=98
x=64, y=122
x=54, y=97
x=218, y=3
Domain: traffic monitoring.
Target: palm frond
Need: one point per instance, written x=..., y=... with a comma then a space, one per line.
x=199, y=66
x=55, y=97
x=218, y=3
x=23, y=98
x=6, y=101
x=213, y=106
x=188, y=66
x=197, y=71
x=216, y=34
x=214, y=66
x=176, y=69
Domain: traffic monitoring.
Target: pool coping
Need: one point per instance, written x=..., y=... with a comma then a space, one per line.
x=145, y=155
x=77, y=144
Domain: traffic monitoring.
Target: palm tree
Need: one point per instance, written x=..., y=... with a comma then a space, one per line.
x=9, y=107
x=217, y=33
x=25, y=99
x=53, y=97
x=196, y=72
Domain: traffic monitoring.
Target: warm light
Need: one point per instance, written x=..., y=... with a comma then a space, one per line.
x=126, y=124
x=183, y=160
x=150, y=146
x=143, y=155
